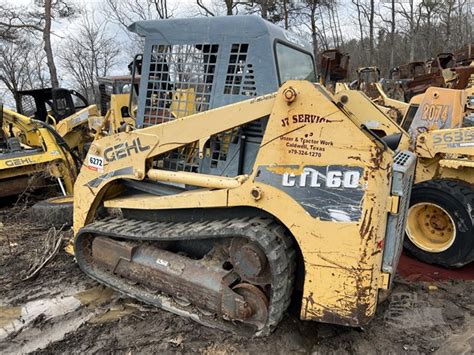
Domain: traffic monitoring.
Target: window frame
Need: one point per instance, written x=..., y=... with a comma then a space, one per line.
x=292, y=46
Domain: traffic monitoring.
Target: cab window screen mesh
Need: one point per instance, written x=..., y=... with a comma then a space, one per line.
x=28, y=105
x=180, y=81
x=240, y=79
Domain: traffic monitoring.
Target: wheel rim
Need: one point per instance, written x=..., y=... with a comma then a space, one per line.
x=430, y=227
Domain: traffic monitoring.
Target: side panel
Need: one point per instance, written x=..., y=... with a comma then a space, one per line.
x=341, y=179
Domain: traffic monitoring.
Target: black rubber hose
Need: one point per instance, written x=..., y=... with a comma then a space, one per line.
x=61, y=142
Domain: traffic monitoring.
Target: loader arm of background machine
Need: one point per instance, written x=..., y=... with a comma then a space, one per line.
x=387, y=101
x=78, y=128
x=456, y=141
x=447, y=153
x=20, y=124
x=35, y=134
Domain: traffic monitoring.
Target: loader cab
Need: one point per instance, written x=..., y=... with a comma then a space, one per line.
x=191, y=65
x=117, y=89
x=195, y=64
x=334, y=66
x=439, y=108
x=47, y=104
x=367, y=77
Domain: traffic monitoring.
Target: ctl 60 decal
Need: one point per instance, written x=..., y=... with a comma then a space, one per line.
x=331, y=193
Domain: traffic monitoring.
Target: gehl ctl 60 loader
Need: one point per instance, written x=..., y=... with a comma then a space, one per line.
x=230, y=212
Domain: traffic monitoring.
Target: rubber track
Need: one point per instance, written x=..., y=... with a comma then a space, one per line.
x=268, y=234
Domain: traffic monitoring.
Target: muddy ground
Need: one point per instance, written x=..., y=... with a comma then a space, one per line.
x=61, y=310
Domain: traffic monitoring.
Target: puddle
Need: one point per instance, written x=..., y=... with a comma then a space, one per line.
x=67, y=312
x=95, y=296
x=47, y=308
x=112, y=314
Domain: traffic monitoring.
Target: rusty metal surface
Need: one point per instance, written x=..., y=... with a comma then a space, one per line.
x=334, y=65
x=19, y=184
x=205, y=284
x=256, y=304
x=108, y=252
x=144, y=278
x=249, y=261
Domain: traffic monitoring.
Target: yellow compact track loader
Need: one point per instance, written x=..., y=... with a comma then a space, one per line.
x=115, y=105
x=234, y=198
x=440, y=226
x=67, y=111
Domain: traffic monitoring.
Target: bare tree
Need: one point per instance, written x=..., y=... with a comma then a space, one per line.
x=430, y=11
x=413, y=16
x=47, y=43
x=33, y=20
x=392, y=27
x=309, y=11
x=209, y=12
x=446, y=18
x=359, y=9
x=125, y=12
x=90, y=53
x=22, y=66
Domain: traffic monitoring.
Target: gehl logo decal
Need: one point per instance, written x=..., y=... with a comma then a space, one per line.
x=18, y=161
x=124, y=150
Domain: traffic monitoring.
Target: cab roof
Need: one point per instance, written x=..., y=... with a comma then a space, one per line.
x=209, y=29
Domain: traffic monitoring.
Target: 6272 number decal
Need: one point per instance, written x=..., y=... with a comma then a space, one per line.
x=95, y=163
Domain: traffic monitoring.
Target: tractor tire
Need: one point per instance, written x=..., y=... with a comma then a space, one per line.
x=55, y=212
x=440, y=220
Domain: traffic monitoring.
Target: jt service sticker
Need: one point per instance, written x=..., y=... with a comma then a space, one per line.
x=95, y=163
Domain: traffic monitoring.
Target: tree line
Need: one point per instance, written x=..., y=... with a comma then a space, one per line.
x=383, y=33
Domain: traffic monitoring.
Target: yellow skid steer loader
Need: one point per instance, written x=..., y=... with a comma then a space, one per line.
x=230, y=209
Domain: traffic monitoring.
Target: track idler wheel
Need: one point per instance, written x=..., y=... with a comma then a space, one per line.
x=249, y=261
x=256, y=302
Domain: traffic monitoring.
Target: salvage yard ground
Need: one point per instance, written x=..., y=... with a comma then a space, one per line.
x=60, y=310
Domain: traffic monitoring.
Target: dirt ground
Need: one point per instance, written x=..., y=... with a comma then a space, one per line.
x=61, y=310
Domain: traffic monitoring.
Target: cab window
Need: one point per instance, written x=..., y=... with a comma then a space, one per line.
x=294, y=64
x=410, y=115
